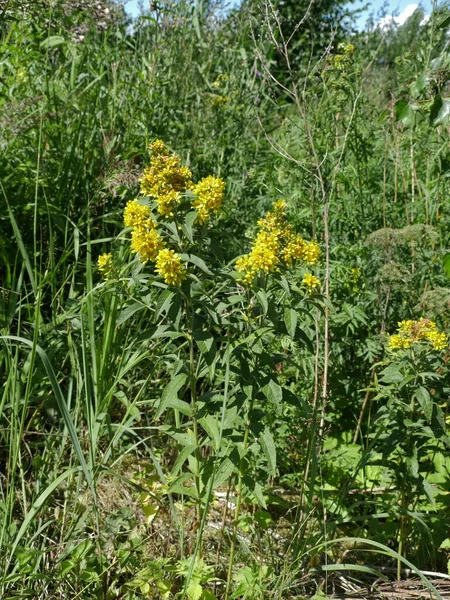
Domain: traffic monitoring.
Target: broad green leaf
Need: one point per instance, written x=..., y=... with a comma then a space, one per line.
x=189, y=224
x=209, y=424
x=444, y=21
x=164, y=302
x=268, y=446
x=429, y=491
x=184, y=407
x=200, y=263
x=446, y=263
x=178, y=487
x=262, y=297
x=52, y=41
x=181, y=458
x=129, y=311
x=164, y=586
x=419, y=85
x=150, y=511
x=407, y=114
x=170, y=392
x=426, y=403
x=207, y=345
x=391, y=375
x=290, y=320
x=440, y=111
x=273, y=392
x=194, y=591
x=223, y=472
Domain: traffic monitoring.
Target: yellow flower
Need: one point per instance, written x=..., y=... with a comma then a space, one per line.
x=136, y=214
x=275, y=244
x=165, y=179
x=209, y=192
x=310, y=281
x=413, y=332
x=294, y=250
x=147, y=243
x=438, y=340
x=311, y=253
x=169, y=266
x=398, y=342
x=158, y=147
x=105, y=265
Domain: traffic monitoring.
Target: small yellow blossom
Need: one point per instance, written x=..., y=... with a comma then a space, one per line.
x=158, y=147
x=169, y=266
x=275, y=245
x=165, y=179
x=147, y=243
x=136, y=214
x=398, y=342
x=294, y=250
x=209, y=196
x=310, y=281
x=105, y=265
x=438, y=340
x=413, y=332
x=311, y=253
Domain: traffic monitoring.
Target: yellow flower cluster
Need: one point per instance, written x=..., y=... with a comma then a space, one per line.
x=165, y=179
x=136, y=214
x=168, y=265
x=311, y=282
x=209, y=196
x=412, y=332
x=105, y=265
x=276, y=244
x=147, y=243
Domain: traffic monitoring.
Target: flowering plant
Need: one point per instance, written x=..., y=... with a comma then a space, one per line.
x=222, y=326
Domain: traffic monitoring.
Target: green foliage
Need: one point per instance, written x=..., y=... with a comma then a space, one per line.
x=213, y=439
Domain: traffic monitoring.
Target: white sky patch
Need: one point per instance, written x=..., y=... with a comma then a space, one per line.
x=400, y=19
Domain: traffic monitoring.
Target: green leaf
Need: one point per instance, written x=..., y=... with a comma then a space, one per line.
x=290, y=320
x=405, y=113
x=262, y=297
x=194, y=591
x=129, y=311
x=223, y=472
x=268, y=445
x=61, y=402
x=181, y=405
x=440, y=111
x=207, y=346
x=419, y=85
x=446, y=264
x=52, y=41
x=189, y=224
x=426, y=403
x=391, y=374
x=150, y=511
x=444, y=21
x=170, y=392
x=209, y=424
x=430, y=492
x=164, y=302
x=273, y=392
x=181, y=458
x=200, y=263
x=263, y=519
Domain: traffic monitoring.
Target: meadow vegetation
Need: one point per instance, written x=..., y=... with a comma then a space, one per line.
x=224, y=300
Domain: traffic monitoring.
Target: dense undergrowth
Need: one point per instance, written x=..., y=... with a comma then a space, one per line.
x=224, y=301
